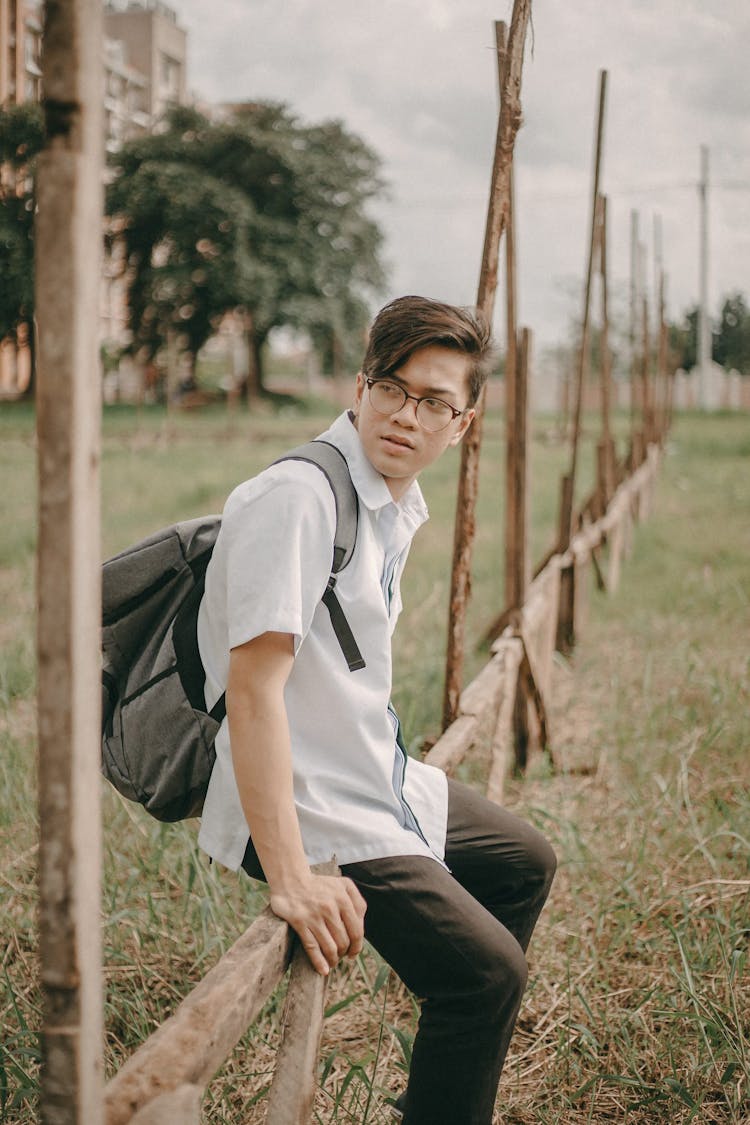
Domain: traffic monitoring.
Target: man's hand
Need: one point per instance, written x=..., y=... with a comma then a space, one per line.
x=327, y=913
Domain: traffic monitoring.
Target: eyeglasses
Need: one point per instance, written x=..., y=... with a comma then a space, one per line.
x=433, y=414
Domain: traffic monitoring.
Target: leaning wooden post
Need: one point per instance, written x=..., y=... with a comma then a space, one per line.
x=508, y=124
x=568, y=486
x=517, y=566
x=605, y=452
x=67, y=265
x=566, y=618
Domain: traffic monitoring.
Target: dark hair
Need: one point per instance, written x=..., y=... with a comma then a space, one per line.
x=410, y=323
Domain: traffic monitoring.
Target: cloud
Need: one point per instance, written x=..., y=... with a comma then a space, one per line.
x=417, y=79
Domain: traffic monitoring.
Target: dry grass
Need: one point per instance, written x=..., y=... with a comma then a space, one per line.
x=637, y=1008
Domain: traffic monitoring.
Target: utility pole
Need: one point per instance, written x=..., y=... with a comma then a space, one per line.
x=703, y=356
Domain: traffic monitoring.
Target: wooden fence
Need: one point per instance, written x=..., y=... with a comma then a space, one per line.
x=164, y=1080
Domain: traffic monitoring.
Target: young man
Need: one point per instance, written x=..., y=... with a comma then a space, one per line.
x=446, y=885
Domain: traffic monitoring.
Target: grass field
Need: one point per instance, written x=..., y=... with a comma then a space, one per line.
x=638, y=1007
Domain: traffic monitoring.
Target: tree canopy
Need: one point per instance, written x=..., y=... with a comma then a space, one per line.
x=21, y=140
x=730, y=336
x=256, y=212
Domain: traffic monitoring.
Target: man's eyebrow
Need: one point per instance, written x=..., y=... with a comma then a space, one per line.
x=430, y=392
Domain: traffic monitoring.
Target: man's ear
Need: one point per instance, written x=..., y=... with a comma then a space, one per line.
x=359, y=390
x=466, y=420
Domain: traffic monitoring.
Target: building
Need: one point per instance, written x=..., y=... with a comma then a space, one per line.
x=144, y=60
x=145, y=53
x=155, y=45
x=20, y=81
x=20, y=51
x=125, y=96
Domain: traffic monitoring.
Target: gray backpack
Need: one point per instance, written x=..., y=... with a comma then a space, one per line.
x=157, y=734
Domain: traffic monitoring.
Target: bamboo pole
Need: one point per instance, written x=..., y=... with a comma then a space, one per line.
x=568, y=489
x=67, y=270
x=509, y=120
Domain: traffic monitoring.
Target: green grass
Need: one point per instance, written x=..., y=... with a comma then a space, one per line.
x=637, y=1008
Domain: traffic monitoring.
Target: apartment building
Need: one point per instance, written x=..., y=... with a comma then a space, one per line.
x=155, y=45
x=20, y=51
x=144, y=56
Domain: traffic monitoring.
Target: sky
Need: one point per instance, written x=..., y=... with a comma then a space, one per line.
x=417, y=80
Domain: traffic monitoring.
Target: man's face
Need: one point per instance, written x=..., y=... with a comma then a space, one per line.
x=396, y=444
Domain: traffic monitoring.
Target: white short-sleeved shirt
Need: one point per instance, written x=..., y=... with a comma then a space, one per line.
x=356, y=797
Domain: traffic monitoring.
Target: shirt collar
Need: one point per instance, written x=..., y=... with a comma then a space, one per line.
x=369, y=483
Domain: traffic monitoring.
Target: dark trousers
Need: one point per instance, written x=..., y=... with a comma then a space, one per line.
x=457, y=939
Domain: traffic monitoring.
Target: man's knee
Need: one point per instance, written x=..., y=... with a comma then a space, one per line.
x=503, y=976
x=541, y=858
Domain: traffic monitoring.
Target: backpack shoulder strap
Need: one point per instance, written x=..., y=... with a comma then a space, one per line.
x=332, y=463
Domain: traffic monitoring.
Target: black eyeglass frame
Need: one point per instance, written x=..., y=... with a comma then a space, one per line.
x=422, y=398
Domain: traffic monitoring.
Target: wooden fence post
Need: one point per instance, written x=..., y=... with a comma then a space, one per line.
x=511, y=653
x=566, y=622
x=517, y=559
x=67, y=269
x=567, y=496
x=290, y=1099
x=606, y=449
x=509, y=121
x=292, y=1092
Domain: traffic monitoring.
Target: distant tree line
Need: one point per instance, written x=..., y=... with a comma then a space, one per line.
x=730, y=336
x=256, y=214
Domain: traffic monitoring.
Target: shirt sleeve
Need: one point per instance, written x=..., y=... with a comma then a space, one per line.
x=279, y=552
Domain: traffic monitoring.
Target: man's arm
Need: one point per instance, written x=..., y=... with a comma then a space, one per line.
x=326, y=912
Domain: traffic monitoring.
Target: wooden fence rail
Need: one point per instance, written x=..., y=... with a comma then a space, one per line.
x=164, y=1081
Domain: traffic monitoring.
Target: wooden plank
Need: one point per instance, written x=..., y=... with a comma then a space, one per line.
x=292, y=1090
x=178, y=1107
x=483, y=693
x=67, y=271
x=193, y=1043
x=582, y=583
x=530, y=684
x=540, y=620
x=509, y=120
x=294, y=1082
x=616, y=542
x=502, y=742
x=453, y=745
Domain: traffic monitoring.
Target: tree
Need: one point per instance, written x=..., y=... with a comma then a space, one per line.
x=21, y=140
x=257, y=213
x=683, y=339
x=732, y=339
x=730, y=336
